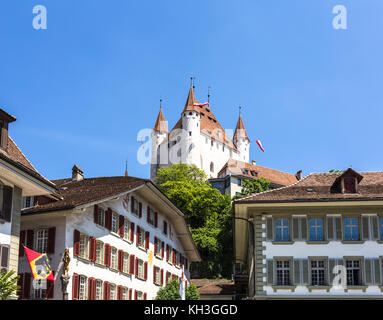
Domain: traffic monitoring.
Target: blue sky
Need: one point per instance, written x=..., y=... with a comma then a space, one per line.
x=82, y=89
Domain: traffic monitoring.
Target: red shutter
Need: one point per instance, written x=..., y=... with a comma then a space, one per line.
x=95, y=214
x=121, y=226
x=167, y=276
x=132, y=204
x=147, y=240
x=156, y=219
x=135, y=294
x=30, y=239
x=162, y=249
x=162, y=277
x=108, y=219
x=51, y=240
x=106, y=290
x=130, y=294
x=120, y=260
x=119, y=293
x=75, y=286
x=138, y=236
x=92, y=249
x=107, y=255
x=94, y=289
x=145, y=271
x=155, y=245
x=140, y=209
x=27, y=285
x=132, y=232
x=21, y=243
x=144, y=295
x=76, y=243
x=136, y=268
x=148, y=215
x=167, y=252
x=90, y=281
x=131, y=267
x=154, y=274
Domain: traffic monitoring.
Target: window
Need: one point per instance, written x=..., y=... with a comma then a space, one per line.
x=41, y=244
x=140, y=269
x=99, y=252
x=381, y=227
x=282, y=230
x=98, y=290
x=150, y=218
x=125, y=267
x=157, y=275
x=28, y=202
x=101, y=217
x=6, y=194
x=178, y=259
x=124, y=294
x=84, y=246
x=39, y=290
x=4, y=257
x=165, y=229
x=140, y=295
x=115, y=222
x=113, y=258
x=82, y=288
x=353, y=272
x=317, y=273
x=283, y=273
x=134, y=206
x=127, y=230
x=349, y=185
x=157, y=246
x=351, y=229
x=211, y=167
x=316, y=229
x=140, y=237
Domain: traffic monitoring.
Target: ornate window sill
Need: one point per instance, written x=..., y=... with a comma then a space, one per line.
x=363, y=288
x=311, y=288
x=317, y=242
x=282, y=242
x=277, y=287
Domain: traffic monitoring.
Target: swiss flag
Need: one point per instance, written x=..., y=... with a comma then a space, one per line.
x=260, y=145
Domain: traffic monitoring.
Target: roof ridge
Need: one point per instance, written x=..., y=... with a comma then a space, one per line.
x=272, y=190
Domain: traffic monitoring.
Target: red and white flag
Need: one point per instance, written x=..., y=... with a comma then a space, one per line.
x=260, y=145
x=201, y=104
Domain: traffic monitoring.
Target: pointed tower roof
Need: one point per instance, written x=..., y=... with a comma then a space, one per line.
x=161, y=124
x=240, y=131
x=190, y=101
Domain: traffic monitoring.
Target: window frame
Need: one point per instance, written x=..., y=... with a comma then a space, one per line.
x=358, y=224
x=275, y=227
x=44, y=247
x=324, y=228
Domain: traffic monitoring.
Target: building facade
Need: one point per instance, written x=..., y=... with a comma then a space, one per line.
x=321, y=237
x=18, y=178
x=125, y=240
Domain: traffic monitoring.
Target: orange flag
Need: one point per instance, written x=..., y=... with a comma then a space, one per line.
x=39, y=264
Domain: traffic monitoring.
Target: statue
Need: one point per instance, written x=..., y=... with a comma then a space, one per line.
x=66, y=260
x=65, y=276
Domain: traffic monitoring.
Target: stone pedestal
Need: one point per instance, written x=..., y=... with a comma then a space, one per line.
x=64, y=284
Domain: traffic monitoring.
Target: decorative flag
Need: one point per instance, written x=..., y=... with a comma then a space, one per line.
x=39, y=264
x=201, y=104
x=260, y=145
x=182, y=286
x=150, y=258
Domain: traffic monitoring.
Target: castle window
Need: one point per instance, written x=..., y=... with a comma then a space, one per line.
x=211, y=167
x=190, y=133
x=190, y=113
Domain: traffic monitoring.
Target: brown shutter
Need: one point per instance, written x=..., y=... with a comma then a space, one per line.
x=269, y=228
x=136, y=268
x=155, y=245
x=119, y=292
x=131, y=232
x=144, y=295
x=162, y=249
x=135, y=294
x=165, y=228
x=76, y=243
x=145, y=271
x=147, y=240
x=132, y=204
x=140, y=209
x=106, y=291
x=377, y=272
x=22, y=242
x=92, y=249
x=365, y=228
x=108, y=219
x=305, y=271
x=7, y=202
x=368, y=267
x=107, y=255
x=27, y=286
x=75, y=286
x=338, y=228
x=131, y=267
x=167, y=252
x=155, y=219
x=270, y=271
x=51, y=240
x=121, y=226
x=95, y=214
x=30, y=239
x=162, y=277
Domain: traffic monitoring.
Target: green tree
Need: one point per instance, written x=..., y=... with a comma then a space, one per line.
x=172, y=292
x=207, y=213
x=253, y=186
x=8, y=284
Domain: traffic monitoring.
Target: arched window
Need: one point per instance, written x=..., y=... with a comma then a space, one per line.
x=211, y=167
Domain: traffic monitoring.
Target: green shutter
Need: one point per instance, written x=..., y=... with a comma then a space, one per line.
x=269, y=228
x=365, y=228
x=295, y=236
x=330, y=228
x=338, y=228
x=297, y=272
x=270, y=271
x=305, y=271
x=377, y=272
x=375, y=227
x=368, y=271
x=304, y=228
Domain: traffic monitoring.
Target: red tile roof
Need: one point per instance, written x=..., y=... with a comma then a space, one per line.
x=240, y=131
x=161, y=125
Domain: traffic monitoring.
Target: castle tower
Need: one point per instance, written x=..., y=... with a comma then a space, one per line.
x=159, y=152
x=190, y=150
x=241, y=140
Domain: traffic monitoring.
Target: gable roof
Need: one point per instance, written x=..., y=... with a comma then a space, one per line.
x=277, y=177
x=319, y=187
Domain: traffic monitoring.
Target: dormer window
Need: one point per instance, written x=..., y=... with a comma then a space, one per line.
x=349, y=185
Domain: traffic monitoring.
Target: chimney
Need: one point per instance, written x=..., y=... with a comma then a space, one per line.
x=77, y=173
x=253, y=162
x=299, y=175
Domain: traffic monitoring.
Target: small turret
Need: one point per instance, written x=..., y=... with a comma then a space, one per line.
x=241, y=140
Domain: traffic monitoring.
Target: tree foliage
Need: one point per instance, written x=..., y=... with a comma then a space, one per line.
x=172, y=292
x=253, y=186
x=207, y=212
x=8, y=284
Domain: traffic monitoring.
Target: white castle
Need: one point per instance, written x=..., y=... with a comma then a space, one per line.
x=197, y=138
